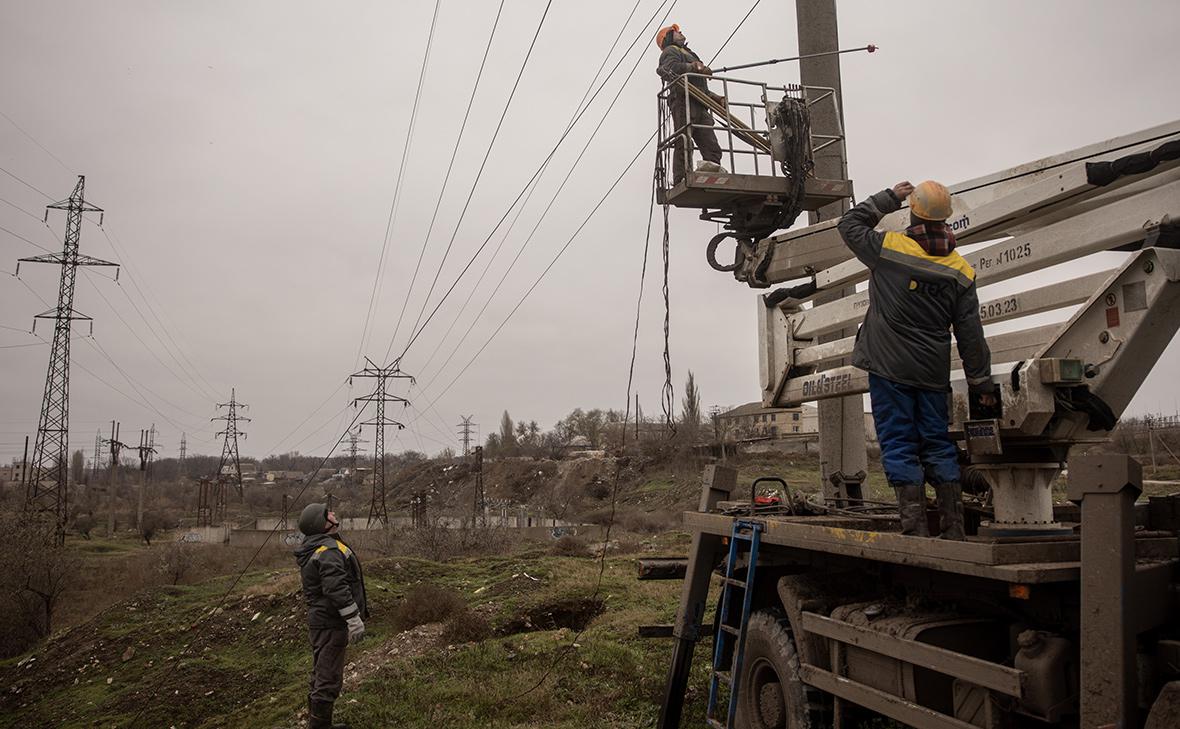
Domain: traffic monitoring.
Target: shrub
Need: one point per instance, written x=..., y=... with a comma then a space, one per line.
x=427, y=603
x=570, y=546
x=177, y=560
x=466, y=626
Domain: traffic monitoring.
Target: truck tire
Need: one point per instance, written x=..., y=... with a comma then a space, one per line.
x=770, y=692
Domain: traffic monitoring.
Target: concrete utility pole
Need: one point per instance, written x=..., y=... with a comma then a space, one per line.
x=841, y=421
x=145, y=456
x=115, y=447
x=47, y=487
x=466, y=428
x=479, y=507
x=377, y=510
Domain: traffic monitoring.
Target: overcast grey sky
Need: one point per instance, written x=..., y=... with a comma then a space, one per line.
x=246, y=155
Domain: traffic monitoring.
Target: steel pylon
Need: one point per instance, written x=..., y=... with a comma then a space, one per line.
x=229, y=449
x=378, y=513
x=47, y=488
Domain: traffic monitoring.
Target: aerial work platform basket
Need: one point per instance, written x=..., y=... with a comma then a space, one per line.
x=767, y=145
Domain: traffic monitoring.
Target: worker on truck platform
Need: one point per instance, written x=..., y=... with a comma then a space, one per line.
x=334, y=590
x=677, y=59
x=920, y=288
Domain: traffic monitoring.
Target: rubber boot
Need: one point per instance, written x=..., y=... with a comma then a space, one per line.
x=911, y=503
x=319, y=716
x=950, y=511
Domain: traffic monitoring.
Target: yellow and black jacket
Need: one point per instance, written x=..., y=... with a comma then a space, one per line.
x=333, y=585
x=915, y=300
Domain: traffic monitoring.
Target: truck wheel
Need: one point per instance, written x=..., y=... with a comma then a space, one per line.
x=770, y=693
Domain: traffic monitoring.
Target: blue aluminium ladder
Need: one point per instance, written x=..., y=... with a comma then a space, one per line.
x=749, y=533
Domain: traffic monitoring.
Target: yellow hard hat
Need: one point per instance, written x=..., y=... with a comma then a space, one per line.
x=931, y=200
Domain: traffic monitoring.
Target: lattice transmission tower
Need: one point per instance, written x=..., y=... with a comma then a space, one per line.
x=47, y=488
x=180, y=464
x=354, y=441
x=466, y=429
x=229, y=449
x=378, y=513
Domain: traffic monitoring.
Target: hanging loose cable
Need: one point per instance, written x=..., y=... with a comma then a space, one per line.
x=651, y=209
x=668, y=393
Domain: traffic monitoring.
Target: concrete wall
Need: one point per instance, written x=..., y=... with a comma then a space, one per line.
x=364, y=539
x=808, y=443
x=204, y=535
x=507, y=520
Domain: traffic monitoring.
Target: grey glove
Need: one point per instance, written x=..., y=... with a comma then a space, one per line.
x=356, y=628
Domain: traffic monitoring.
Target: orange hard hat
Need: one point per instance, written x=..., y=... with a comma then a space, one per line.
x=931, y=200
x=662, y=33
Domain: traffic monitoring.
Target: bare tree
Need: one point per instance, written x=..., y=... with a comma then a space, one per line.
x=37, y=575
x=177, y=560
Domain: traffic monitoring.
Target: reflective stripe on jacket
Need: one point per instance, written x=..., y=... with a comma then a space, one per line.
x=333, y=585
x=915, y=300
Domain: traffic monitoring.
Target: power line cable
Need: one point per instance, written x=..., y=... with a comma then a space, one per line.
x=549, y=206
x=29, y=185
x=196, y=391
x=580, y=227
x=209, y=390
x=546, y=271
x=34, y=141
x=479, y=173
x=26, y=240
x=528, y=198
x=375, y=293
x=275, y=447
x=508, y=210
x=446, y=177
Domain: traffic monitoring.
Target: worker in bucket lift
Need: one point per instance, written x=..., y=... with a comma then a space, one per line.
x=919, y=289
x=676, y=59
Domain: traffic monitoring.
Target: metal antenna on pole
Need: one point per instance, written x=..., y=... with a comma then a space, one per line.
x=377, y=508
x=47, y=489
x=229, y=449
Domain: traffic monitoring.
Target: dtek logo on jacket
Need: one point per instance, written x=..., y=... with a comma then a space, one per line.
x=927, y=288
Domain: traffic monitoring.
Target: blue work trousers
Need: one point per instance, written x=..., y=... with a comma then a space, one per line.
x=912, y=430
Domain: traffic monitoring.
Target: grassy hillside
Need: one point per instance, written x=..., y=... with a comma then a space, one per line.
x=169, y=658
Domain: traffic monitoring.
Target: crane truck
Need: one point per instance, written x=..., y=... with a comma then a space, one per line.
x=1060, y=609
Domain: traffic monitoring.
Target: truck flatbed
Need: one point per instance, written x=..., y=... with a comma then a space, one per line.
x=1031, y=560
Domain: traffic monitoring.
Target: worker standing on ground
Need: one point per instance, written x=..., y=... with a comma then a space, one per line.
x=334, y=589
x=677, y=59
x=919, y=289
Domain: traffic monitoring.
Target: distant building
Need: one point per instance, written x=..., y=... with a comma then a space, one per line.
x=12, y=474
x=754, y=421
